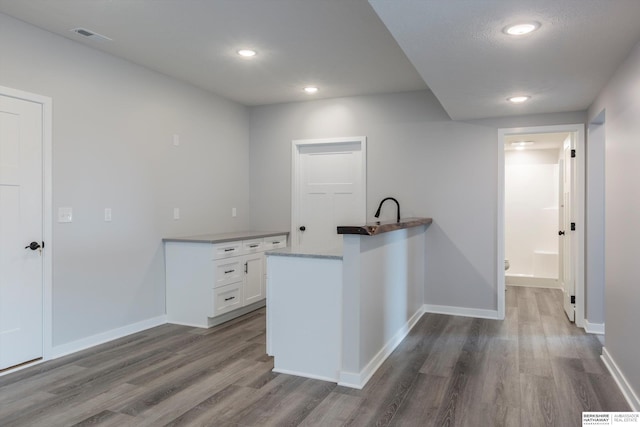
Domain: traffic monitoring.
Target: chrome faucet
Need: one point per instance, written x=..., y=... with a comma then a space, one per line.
x=377, y=215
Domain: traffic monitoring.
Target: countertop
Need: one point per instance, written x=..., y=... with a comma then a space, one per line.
x=225, y=237
x=332, y=253
x=379, y=227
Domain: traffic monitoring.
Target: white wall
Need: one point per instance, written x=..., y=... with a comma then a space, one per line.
x=620, y=99
x=434, y=166
x=595, y=230
x=112, y=147
x=531, y=212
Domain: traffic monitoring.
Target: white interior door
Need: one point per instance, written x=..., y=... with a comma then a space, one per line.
x=329, y=190
x=567, y=240
x=21, y=207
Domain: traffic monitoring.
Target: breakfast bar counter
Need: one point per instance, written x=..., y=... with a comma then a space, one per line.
x=336, y=314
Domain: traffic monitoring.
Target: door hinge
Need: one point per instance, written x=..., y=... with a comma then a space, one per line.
x=573, y=299
x=573, y=226
x=573, y=153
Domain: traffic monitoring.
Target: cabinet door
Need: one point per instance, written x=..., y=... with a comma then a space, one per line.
x=253, y=278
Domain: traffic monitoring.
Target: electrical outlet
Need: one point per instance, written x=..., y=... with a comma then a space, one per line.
x=234, y=212
x=176, y=140
x=176, y=213
x=107, y=214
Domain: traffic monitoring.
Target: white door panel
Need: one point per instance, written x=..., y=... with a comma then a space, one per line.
x=21, y=269
x=331, y=192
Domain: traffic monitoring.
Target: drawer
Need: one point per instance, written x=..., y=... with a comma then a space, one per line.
x=252, y=246
x=228, y=271
x=227, y=249
x=275, y=242
x=226, y=298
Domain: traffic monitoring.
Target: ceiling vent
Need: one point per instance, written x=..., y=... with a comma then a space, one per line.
x=88, y=34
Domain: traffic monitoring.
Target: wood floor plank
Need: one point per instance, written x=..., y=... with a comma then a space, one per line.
x=422, y=403
x=574, y=390
x=335, y=410
x=108, y=419
x=449, y=344
x=540, y=406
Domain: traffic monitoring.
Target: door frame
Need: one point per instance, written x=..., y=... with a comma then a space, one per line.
x=47, y=213
x=578, y=208
x=296, y=145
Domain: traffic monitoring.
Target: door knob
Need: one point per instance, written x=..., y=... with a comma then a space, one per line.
x=33, y=246
x=560, y=233
x=302, y=228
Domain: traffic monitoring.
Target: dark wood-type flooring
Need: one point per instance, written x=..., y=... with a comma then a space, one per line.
x=533, y=369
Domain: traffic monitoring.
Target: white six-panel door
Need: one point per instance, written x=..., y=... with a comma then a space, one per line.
x=21, y=269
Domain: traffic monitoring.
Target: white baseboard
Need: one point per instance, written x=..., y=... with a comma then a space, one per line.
x=101, y=338
x=460, y=311
x=359, y=379
x=626, y=389
x=594, y=328
x=532, y=282
x=303, y=374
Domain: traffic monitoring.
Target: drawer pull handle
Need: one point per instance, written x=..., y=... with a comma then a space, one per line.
x=228, y=271
x=253, y=246
x=230, y=249
x=229, y=299
x=275, y=243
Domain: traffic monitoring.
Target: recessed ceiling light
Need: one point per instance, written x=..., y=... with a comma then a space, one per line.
x=311, y=89
x=521, y=29
x=518, y=99
x=247, y=53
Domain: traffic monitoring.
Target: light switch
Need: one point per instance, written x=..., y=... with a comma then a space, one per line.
x=65, y=214
x=176, y=139
x=176, y=213
x=234, y=213
x=107, y=214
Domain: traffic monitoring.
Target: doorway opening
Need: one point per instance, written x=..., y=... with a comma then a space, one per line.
x=540, y=212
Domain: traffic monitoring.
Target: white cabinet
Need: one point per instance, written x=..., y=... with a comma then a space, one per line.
x=254, y=289
x=208, y=283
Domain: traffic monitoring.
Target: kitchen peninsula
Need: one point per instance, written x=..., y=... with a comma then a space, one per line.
x=337, y=314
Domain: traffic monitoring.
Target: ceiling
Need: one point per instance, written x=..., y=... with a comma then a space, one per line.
x=456, y=48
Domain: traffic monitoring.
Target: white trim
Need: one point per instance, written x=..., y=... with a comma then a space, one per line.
x=532, y=282
x=303, y=374
x=626, y=389
x=103, y=337
x=296, y=144
x=593, y=328
x=359, y=380
x=579, y=217
x=461, y=311
x=47, y=212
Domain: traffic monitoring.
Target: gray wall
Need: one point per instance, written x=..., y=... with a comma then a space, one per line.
x=620, y=99
x=112, y=147
x=436, y=167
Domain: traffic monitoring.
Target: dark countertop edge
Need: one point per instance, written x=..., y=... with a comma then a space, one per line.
x=225, y=237
x=375, y=228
